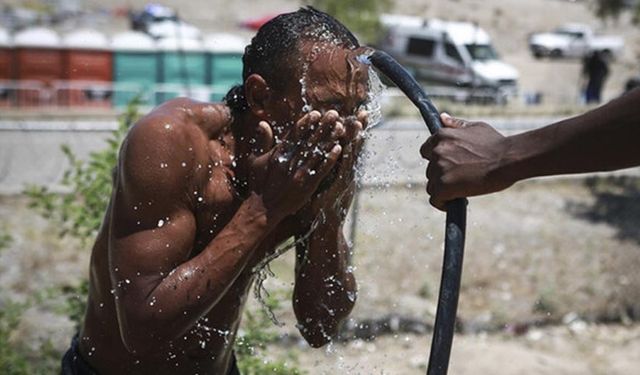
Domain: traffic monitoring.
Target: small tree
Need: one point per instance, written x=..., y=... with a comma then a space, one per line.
x=79, y=213
x=360, y=16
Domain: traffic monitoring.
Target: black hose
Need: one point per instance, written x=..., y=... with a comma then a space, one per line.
x=455, y=224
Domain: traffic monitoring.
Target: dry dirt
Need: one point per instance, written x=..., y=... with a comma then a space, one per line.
x=554, y=251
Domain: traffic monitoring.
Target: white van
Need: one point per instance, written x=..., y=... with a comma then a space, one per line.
x=448, y=53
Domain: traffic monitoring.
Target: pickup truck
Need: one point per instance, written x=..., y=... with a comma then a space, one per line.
x=573, y=41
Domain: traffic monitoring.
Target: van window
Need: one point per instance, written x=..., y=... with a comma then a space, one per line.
x=481, y=52
x=420, y=47
x=452, y=52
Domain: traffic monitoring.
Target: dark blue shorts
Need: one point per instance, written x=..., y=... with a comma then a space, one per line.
x=74, y=364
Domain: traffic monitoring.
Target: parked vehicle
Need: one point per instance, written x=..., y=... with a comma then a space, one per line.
x=160, y=22
x=573, y=41
x=456, y=54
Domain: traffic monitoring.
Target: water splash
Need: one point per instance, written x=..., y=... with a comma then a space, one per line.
x=263, y=271
x=373, y=105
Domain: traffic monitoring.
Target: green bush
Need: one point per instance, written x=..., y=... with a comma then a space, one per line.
x=5, y=239
x=256, y=334
x=15, y=357
x=12, y=361
x=80, y=212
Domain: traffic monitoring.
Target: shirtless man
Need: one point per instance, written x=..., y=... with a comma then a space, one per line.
x=205, y=191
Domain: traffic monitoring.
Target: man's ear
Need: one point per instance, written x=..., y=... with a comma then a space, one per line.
x=257, y=93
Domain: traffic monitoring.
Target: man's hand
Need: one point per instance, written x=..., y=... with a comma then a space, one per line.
x=335, y=199
x=288, y=174
x=464, y=158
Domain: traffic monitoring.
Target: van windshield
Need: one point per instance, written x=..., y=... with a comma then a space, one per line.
x=482, y=52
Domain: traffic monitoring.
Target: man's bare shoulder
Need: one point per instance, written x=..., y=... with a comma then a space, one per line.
x=163, y=153
x=211, y=118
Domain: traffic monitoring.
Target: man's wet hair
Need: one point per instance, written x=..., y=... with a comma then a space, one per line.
x=273, y=49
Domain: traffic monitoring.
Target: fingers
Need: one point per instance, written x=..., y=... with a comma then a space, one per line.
x=331, y=160
x=434, y=187
x=328, y=128
x=363, y=117
x=264, y=138
x=452, y=122
x=304, y=126
x=426, y=150
x=318, y=166
x=437, y=203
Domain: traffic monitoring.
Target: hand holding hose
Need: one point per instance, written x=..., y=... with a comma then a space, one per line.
x=464, y=160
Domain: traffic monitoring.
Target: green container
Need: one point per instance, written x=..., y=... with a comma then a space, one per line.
x=134, y=73
x=226, y=71
x=183, y=69
x=224, y=62
x=135, y=68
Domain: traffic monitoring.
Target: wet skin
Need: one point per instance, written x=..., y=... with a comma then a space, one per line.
x=201, y=196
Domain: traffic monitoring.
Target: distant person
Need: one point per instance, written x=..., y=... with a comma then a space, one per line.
x=595, y=67
x=472, y=158
x=205, y=192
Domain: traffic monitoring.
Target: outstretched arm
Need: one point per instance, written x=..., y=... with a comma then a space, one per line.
x=471, y=158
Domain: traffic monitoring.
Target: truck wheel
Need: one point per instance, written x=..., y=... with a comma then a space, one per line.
x=538, y=55
x=556, y=53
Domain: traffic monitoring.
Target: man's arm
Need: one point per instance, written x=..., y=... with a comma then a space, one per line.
x=160, y=293
x=471, y=158
x=325, y=287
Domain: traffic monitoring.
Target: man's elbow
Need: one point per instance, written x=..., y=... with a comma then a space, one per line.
x=317, y=337
x=318, y=333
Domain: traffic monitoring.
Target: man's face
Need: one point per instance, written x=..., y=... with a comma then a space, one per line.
x=331, y=77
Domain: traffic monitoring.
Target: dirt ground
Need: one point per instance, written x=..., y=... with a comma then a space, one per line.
x=554, y=252
x=547, y=263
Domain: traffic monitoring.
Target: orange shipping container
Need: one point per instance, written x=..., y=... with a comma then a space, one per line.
x=38, y=65
x=88, y=70
x=6, y=68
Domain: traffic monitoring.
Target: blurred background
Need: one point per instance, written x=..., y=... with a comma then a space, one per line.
x=550, y=283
